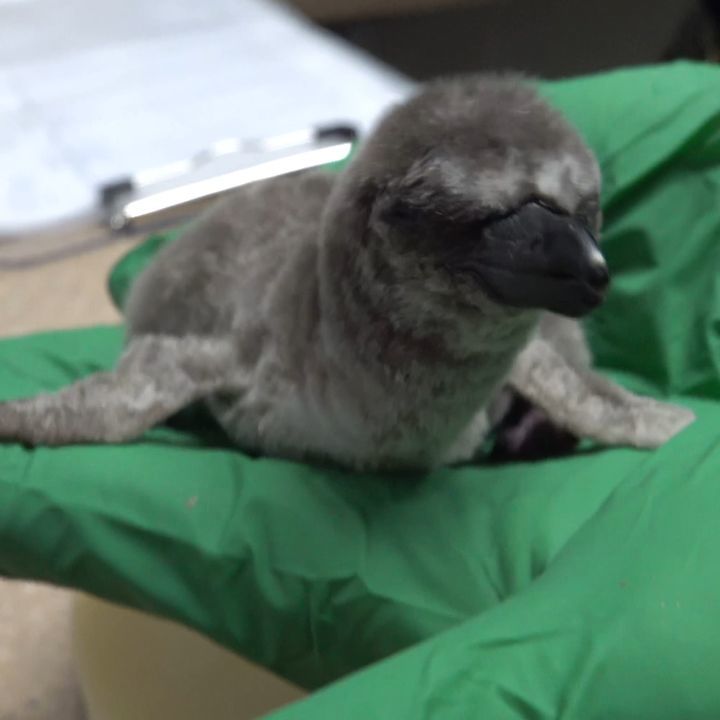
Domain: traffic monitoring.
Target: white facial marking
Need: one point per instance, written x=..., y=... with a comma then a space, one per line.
x=565, y=178
x=499, y=188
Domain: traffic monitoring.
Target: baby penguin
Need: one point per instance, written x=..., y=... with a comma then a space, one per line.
x=386, y=317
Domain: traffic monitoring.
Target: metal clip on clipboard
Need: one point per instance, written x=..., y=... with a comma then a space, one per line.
x=170, y=193
x=160, y=197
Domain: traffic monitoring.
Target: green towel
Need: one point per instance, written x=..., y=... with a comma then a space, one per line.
x=579, y=588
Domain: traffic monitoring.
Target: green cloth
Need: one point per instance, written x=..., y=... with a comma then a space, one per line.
x=579, y=588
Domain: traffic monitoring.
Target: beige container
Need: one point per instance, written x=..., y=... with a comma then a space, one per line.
x=133, y=666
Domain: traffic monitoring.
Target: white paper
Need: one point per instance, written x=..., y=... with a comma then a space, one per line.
x=94, y=90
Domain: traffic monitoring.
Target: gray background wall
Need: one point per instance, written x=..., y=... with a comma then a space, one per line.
x=546, y=37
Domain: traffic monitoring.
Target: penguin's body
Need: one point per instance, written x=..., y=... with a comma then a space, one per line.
x=381, y=318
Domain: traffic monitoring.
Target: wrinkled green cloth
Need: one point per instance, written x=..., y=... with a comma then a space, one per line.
x=579, y=588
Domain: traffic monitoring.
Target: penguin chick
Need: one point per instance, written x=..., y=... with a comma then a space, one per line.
x=372, y=319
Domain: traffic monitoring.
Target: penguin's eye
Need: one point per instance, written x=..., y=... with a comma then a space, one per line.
x=548, y=205
x=400, y=211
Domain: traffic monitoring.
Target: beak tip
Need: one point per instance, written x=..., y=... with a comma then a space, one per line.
x=598, y=273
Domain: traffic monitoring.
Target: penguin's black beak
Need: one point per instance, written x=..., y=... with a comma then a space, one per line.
x=538, y=258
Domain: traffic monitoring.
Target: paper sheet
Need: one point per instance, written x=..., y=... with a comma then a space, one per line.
x=91, y=91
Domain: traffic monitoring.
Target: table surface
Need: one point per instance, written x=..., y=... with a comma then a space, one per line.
x=65, y=294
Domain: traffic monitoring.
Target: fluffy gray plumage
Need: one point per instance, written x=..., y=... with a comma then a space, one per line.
x=386, y=317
